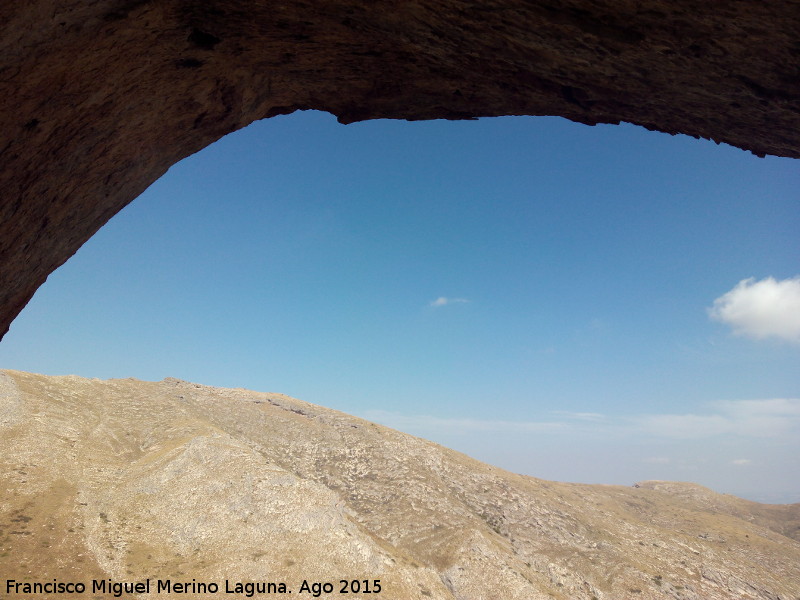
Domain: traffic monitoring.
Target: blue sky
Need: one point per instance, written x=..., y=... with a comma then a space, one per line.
x=536, y=293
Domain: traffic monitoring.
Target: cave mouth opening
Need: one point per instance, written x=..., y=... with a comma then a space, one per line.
x=532, y=275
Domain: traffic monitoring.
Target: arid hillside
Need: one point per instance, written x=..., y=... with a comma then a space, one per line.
x=133, y=481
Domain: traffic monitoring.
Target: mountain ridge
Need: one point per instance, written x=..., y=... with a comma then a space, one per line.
x=131, y=480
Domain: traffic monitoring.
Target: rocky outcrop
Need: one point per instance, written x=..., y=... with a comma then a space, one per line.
x=99, y=98
x=131, y=480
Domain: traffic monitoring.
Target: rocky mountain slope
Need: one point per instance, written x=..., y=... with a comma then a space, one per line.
x=133, y=481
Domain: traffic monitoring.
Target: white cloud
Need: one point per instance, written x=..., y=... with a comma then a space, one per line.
x=619, y=448
x=761, y=309
x=458, y=424
x=581, y=416
x=657, y=460
x=753, y=409
x=443, y=301
x=683, y=426
x=748, y=418
x=744, y=419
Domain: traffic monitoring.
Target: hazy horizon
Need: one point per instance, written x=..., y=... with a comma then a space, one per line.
x=592, y=304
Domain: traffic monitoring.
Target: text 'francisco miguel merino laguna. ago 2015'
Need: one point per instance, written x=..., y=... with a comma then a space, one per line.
x=194, y=587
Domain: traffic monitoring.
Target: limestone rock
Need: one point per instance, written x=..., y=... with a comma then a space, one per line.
x=130, y=480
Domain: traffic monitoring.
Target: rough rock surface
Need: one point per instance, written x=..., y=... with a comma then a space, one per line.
x=98, y=98
x=130, y=480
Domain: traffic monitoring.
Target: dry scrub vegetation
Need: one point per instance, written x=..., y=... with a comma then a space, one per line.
x=129, y=480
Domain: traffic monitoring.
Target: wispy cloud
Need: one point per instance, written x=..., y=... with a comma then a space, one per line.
x=772, y=418
x=749, y=418
x=742, y=462
x=581, y=416
x=459, y=424
x=599, y=325
x=444, y=301
x=761, y=309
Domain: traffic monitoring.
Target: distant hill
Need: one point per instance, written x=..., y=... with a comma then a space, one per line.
x=131, y=481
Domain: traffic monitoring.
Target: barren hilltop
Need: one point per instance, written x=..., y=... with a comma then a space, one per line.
x=134, y=482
